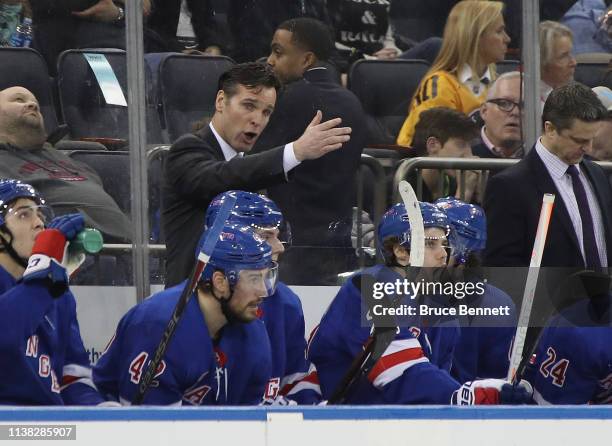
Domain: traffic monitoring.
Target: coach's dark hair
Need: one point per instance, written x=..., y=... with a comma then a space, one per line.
x=310, y=35
x=252, y=75
x=442, y=123
x=573, y=101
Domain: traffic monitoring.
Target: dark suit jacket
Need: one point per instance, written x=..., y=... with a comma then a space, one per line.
x=481, y=150
x=321, y=191
x=512, y=204
x=194, y=173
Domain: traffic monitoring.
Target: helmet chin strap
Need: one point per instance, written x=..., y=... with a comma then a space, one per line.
x=8, y=246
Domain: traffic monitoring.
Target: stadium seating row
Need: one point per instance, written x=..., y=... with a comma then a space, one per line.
x=181, y=91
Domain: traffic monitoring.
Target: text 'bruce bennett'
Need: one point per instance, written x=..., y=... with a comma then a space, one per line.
x=426, y=310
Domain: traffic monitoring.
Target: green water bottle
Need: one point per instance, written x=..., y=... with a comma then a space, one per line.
x=88, y=241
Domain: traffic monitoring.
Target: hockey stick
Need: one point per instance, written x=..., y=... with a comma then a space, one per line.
x=517, y=358
x=417, y=231
x=203, y=257
x=383, y=329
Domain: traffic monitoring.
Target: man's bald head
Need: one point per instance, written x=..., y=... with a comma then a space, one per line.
x=21, y=123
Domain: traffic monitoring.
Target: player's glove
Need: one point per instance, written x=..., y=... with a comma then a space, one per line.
x=280, y=400
x=492, y=391
x=48, y=259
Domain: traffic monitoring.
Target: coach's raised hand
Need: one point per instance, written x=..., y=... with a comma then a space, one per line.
x=320, y=138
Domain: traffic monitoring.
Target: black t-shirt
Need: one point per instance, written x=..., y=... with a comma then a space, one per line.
x=358, y=24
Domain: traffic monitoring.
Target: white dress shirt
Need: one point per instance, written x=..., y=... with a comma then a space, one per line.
x=289, y=159
x=557, y=169
x=475, y=84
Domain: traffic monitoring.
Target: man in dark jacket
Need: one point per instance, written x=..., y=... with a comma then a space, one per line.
x=200, y=166
x=319, y=199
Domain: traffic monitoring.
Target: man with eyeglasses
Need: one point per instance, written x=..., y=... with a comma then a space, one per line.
x=580, y=230
x=43, y=357
x=500, y=136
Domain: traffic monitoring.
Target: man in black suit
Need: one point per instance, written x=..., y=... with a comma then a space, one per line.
x=580, y=231
x=200, y=166
x=318, y=201
x=500, y=136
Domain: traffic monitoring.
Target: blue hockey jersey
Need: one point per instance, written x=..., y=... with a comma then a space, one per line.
x=404, y=374
x=195, y=369
x=573, y=362
x=292, y=374
x=483, y=348
x=44, y=361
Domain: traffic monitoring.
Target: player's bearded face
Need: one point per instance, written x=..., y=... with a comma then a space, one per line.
x=248, y=294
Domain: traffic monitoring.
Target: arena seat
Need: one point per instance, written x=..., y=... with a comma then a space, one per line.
x=186, y=90
x=385, y=89
x=113, y=167
x=83, y=105
x=156, y=158
x=26, y=68
x=591, y=74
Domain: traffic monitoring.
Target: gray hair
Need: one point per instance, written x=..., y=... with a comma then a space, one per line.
x=492, y=93
x=549, y=32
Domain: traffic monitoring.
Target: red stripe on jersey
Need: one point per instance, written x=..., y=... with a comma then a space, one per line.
x=389, y=361
x=69, y=379
x=312, y=378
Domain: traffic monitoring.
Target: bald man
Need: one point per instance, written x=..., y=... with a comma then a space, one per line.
x=68, y=186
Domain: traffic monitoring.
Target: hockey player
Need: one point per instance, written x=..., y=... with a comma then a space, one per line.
x=482, y=350
x=43, y=358
x=404, y=374
x=567, y=372
x=293, y=377
x=220, y=353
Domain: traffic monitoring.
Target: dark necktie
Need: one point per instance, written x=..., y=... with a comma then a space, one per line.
x=588, y=232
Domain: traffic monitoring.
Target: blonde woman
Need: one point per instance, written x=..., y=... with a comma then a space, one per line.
x=474, y=40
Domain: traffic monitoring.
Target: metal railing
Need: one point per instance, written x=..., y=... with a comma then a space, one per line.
x=407, y=167
x=379, y=197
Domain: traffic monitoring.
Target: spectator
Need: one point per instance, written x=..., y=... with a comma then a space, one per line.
x=580, y=230
x=362, y=29
x=251, y=23
x=444, y=132
x=11, y=12
x=200, y=166
x=67, y=185
x=584, y=20
x=500, y=136
x=164, y=20
x=474, y=40
x=63, y=25
x=557, y=64
x=311, y=202
x=602, y=143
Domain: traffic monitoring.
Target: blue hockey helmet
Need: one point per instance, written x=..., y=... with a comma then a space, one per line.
x=255, y=210
x=469, y=226
x=11, y=190
x=240, y=248
x=250, y=209
x=395, y=223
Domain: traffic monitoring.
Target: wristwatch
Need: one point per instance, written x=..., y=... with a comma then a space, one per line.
x=121, y=14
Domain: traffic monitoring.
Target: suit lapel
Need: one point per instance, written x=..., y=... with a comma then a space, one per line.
x=546, y=185
x=599, y=190
x=208, y=136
